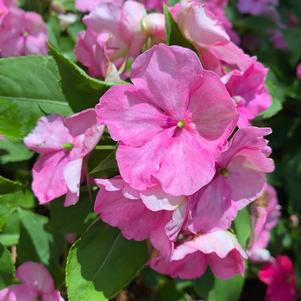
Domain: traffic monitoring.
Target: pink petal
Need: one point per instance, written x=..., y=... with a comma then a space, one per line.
x=211, y=208
x=185, y=166
x=129, y=115
x=213, y=119
x=35, y=276
x=48, y=180
x=19, y=292
x=167, y=74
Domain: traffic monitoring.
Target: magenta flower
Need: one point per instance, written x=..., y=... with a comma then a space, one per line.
x=298, y=71
x=36, y=282
x=249, y=92
x=90, y=5
x=265, y=213
x=219, y=250
x=169, y=123
x=239, y=180
x=203, y=29
x=280, y=278
x=114, y=34
x=256, y=7
x=22, y=33
x=62, y=143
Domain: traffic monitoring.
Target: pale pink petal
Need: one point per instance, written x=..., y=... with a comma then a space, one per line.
x=35, y=276
x=49, y=135
x=156, y=199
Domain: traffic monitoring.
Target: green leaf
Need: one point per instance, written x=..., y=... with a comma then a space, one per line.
x=73, y=219
x=18, y=199
x=35, y=241
x=292, y=37
x=102, y=263
x=81, y=90
x=204, y=285
x=278, y=96
x=174, y=35
x=8, y=186
x=242, y=226
x=227, y=290
x=29, y=89
x=7, y=269
x=13, y=150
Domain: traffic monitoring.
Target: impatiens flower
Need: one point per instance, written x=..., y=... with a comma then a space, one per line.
x=114, y=35
x=62, y=143
x=256, y=7
x=170, y=123
x=89, y=5
x=140, y=215
x=36, y=284
x=249, y=92
x=204, y=31
x=219, y=250
x=298, y=71
x=265, y=213
x=239, y=180
x=22, y=33
x=279, y=276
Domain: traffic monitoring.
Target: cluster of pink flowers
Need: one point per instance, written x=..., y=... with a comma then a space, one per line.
x=21, y=33
x=188, y=156
x=36, y=284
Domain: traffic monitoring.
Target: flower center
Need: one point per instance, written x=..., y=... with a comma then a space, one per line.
x=25, y=34
x=181, y=124
x=224, y=172
x=67, y=146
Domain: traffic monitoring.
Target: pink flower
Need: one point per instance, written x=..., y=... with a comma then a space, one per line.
x=265, y=213
x=36, y=283
x=219, y=250
x=63, y=143
x=280, y=278
x=298, y=71
x=256, y=7
x=22, y=33
x=239, y=180
x=89, y=5
x=201, y=27
x=249, y=92
x=114, y=35
x=140, y=215
x=169, y=123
